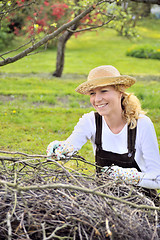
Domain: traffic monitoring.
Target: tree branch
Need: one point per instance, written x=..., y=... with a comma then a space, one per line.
x=93, y=27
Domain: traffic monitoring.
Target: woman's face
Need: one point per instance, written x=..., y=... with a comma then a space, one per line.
x=106, y=100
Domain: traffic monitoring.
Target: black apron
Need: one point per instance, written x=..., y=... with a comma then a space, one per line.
x=107, y=158
x=125, y=160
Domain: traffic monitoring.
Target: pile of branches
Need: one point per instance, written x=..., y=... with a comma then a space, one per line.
x=44, y=199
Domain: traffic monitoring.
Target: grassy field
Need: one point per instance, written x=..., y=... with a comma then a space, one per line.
x=36, y=108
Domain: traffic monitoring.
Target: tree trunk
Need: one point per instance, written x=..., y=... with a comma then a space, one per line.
x=61, y=50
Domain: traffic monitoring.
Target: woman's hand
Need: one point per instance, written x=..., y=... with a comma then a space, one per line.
x=60, y=149
x=128, y=175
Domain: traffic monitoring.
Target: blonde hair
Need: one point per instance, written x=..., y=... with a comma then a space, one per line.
x=131, y=107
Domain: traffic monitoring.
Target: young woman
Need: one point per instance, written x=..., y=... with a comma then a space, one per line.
x=123, y=137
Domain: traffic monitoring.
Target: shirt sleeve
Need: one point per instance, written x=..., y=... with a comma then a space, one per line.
x=150, y=152
x=83, y=131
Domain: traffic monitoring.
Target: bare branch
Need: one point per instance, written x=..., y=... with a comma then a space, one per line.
x=24, y=154
x=148, y=1
x=14, y=50
x=93, y=27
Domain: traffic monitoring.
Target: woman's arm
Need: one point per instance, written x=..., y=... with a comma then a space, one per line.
x=148, y=146
x=83, y=131
x=147, y=157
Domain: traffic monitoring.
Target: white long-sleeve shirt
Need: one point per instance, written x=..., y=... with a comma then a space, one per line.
x=147, y=150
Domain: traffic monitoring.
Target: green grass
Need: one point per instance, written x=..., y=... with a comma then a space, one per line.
x=36, y=111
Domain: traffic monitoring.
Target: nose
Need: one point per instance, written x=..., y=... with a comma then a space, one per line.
x=98, y=97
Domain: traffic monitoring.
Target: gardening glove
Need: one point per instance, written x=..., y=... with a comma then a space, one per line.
x=60, y=149
x=128, y=175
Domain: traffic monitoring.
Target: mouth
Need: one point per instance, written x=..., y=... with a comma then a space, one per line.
x=101, y=105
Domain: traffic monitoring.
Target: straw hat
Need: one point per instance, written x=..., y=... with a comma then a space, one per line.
x=102, y=76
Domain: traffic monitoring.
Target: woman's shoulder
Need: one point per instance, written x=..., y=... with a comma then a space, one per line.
x=89, y=115
x=144, y=119
x=86, y=123
x=87, y=119
x=144, y=122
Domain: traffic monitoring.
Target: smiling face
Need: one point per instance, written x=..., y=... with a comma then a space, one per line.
x=106, y=101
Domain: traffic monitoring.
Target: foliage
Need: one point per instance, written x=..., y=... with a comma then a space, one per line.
x=45, y=16
x=139, y=9
x=34, y=19
x=5, y=39
x=144, y=51
x=5, y=35
x=124, y=22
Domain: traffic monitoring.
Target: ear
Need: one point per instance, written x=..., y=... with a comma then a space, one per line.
x=121, y=95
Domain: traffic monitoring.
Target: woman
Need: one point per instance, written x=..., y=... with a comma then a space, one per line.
x=123, y=137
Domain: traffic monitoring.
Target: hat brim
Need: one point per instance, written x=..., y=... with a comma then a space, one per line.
x=87, y=86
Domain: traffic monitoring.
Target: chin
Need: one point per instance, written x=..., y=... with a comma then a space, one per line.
x=101, y=113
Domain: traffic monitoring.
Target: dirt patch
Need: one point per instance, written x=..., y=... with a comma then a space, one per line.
x=10, y=98
x=7, y=98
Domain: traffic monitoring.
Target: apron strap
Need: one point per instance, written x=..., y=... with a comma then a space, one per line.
x=98, y=137
x=131, y=140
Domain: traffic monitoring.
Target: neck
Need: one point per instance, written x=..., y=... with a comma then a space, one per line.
x=115, y=123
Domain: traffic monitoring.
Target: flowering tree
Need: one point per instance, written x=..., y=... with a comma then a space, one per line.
x=43, y=22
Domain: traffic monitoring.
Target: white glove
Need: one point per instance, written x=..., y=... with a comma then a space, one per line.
x=128, y=175
x=60, y=149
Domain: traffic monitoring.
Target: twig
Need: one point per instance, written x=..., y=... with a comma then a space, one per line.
x=109, y=233
x=53, y=235
x=9, y=226
x=43, y=230
x=14, y=50
x=93, y=27
x=86, y=223
x=24, y=154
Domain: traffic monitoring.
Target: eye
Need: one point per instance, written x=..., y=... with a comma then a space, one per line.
x=91, y=93
x=104, y=90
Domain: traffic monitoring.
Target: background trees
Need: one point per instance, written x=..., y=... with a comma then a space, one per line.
x=46, y=23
